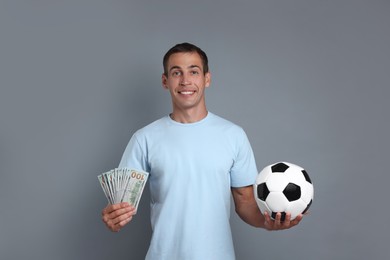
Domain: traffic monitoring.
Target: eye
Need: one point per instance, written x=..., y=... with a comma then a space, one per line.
x=176, y=73
x=194, y=72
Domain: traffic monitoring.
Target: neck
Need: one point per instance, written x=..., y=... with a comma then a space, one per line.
x=186, y=117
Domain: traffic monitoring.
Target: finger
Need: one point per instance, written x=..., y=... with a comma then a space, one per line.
x=278, y=220
x=122, y=222
x=125, y=221
x=113, y=216
x=113, y=211
x=287, y=221
x=109, y=208
x=267, y=221
x=267, y=218
x=121, y=211
x=122, y=215
x=297, y=219
x=113, y=207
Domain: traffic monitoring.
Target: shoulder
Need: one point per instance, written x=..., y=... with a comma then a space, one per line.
x=225, y=125
x=152, y=127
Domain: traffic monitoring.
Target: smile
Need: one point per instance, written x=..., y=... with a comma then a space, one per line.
x=186, y=92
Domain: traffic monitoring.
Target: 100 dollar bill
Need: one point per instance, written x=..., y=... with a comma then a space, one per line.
x=135, y=187
x=123, y=185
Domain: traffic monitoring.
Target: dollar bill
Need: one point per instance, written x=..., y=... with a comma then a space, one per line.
x=123, y=185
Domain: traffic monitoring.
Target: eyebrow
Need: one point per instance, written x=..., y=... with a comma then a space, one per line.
x=190, y=67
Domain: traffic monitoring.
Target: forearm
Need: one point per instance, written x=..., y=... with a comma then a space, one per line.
x=246, y=206
x=250, y=213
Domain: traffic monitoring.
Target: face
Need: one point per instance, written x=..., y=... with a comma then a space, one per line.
x=186, y=81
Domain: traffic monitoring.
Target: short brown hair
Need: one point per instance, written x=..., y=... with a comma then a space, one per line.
x=186, y=47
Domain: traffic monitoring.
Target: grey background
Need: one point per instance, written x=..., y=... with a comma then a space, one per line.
x=307, y=80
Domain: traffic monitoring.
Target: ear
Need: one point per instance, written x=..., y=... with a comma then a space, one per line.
x=207, y=79
x=164, y=80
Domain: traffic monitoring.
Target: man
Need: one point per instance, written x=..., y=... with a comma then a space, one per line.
x=195, y=160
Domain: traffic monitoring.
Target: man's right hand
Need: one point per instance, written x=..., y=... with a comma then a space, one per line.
x=118, y=215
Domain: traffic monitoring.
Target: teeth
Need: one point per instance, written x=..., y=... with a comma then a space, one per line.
x=186, y=92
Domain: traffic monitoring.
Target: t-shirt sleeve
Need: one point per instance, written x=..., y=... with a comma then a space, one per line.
x=134, y=156
x=244, y=170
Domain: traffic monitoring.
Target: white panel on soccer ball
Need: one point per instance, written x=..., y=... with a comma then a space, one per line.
x=295, y=166
x=262, y=206
x=277, y=182
x=292, y=166
x=296, y=208
x=296, y=176
x=277, y=202
x=307, y=192
x=263, y=175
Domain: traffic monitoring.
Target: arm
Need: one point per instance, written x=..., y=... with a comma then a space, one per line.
x=248, y=211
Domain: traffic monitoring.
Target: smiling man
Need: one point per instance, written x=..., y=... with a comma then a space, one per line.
x=186, y=80
x=196, y=160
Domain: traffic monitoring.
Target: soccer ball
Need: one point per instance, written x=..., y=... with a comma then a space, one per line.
x=283, y=187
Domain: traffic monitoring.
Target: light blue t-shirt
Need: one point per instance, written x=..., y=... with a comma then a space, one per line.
x=192, y=168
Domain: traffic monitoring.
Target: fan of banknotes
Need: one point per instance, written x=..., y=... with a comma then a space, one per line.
x=123, y=185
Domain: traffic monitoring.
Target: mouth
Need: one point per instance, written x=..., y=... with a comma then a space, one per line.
x=186, y=92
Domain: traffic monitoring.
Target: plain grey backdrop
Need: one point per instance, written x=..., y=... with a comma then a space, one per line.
x=307, y=80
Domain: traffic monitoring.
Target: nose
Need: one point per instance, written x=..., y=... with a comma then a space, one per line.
x=185, y=80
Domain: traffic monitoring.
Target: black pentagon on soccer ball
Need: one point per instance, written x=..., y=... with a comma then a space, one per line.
x=306, y=176
x=292, y=192
x=279, y=167
x=282, y=217
x=262, y=191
